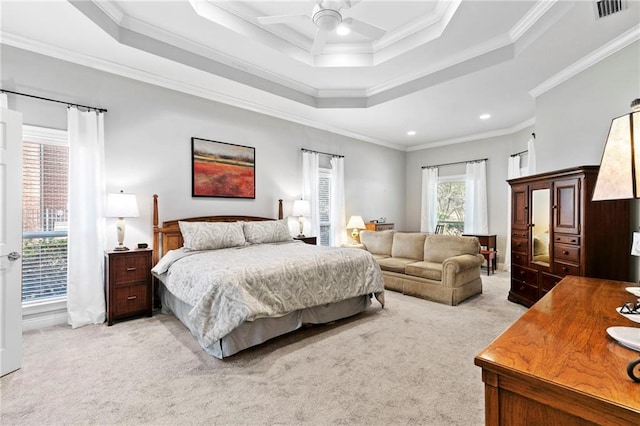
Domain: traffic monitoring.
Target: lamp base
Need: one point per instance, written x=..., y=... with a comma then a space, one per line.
x=121, y=248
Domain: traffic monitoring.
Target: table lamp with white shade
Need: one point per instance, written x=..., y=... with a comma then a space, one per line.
x=355, y=224
x=301, y=208
x=121, y=205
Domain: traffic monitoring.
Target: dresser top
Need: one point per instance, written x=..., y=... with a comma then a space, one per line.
x=562, y=341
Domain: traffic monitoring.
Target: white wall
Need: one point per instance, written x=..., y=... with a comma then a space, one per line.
x=496, y=149
x=148, y=134
x=573, y=118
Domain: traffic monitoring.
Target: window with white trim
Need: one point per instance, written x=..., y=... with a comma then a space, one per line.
x=324, y=196
x=44, y=214
x=451, y=197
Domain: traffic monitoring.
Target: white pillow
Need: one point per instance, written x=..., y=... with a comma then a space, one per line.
x=267, y=231
x=211, y=235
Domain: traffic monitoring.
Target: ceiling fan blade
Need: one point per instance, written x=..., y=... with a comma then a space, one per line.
x=281, y=19
x=365, y=29
x=319, y=42
x=346, y=4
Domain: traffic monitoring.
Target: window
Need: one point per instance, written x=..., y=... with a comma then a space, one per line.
x=451, y=204
x=45, y=213
x=324, y=196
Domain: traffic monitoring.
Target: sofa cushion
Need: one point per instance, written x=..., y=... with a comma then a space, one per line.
x=428, y=270
x=409, y=245
x=439, y=247
x=377, y=242
x=394, y=264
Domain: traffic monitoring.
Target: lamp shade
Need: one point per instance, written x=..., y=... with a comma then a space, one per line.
x=122, y=205
x=619, y=174
x=301, y=208
x=356, y=222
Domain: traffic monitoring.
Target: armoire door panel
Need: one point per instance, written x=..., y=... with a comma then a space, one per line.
x=566, y=204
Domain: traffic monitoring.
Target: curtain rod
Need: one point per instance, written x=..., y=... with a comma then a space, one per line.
x=53, y=100
x=519, y=153
x=526, y=150
x=457, y=162
x=323, y=153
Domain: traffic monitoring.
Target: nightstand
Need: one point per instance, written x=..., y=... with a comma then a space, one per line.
x=308, y=240
x=128, y=284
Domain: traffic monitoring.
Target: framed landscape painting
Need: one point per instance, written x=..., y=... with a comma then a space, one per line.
x=222, y=169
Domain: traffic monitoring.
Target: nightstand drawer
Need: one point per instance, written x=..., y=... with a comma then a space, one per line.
x=131, y=299
x=130, y=269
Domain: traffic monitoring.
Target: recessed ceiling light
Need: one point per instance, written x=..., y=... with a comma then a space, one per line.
x=411, y=133
x=343, y=30
x=485, y=116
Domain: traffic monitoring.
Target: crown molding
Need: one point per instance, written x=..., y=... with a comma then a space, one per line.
x=588, y=61
x=527, y=21
x=179, y=86
x=478, y=136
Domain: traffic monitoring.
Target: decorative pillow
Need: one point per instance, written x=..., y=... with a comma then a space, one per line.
x=211, y=235
x=267, y=231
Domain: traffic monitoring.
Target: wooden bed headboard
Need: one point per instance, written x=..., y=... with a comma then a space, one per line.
x=170, y=230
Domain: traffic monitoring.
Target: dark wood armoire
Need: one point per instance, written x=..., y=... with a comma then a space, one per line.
x=556, y=230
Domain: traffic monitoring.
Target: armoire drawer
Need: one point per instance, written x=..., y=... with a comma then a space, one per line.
x=566, y=239
x=527, y=291
x=563, y=269
x=526, y=275
x=567, y=253
x=518, y=258
x=518, y=244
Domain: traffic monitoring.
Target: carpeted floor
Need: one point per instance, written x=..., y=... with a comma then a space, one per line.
x=411, y=363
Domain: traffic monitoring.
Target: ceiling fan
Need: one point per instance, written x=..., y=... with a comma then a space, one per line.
x=326, y=16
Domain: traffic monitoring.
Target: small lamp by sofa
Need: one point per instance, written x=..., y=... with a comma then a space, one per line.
x=121, y=205
x=301, y=208
x=619, y=174
x=355, y=224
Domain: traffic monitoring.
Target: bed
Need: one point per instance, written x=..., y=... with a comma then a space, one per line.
x=238, y=281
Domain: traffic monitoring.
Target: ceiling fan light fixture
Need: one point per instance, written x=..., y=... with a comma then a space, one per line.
x=327, y=19
x=343, y=30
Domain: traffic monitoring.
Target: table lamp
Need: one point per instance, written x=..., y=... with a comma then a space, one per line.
x=121, y=205
x=301, y=208
x=355, y=224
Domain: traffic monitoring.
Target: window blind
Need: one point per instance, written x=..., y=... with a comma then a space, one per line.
x=44, y=221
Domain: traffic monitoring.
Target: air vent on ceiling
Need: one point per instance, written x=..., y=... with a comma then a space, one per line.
x=609, y=7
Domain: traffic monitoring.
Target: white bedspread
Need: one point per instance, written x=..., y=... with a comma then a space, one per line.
x=230, y=286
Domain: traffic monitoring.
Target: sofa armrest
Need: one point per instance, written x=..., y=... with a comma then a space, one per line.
x=462, y=262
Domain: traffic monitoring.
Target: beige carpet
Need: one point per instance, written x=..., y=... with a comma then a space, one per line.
x=411, y=363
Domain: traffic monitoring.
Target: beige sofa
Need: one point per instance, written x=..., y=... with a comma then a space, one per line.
x=442, y=268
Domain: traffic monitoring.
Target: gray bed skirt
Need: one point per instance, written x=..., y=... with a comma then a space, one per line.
x=253, y=333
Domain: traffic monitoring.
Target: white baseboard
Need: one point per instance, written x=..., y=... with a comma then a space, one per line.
x=34, y=322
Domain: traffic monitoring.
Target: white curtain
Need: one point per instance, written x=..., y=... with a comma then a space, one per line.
x=513, y=171
x=338, y=224
x=531, y=149
x=429, y=212
x=85, y=285
x=310, y=177
x=475, y=200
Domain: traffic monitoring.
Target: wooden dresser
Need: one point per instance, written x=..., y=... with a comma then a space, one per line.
x=556, y=230
x=556, y=365
x=372, y=226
